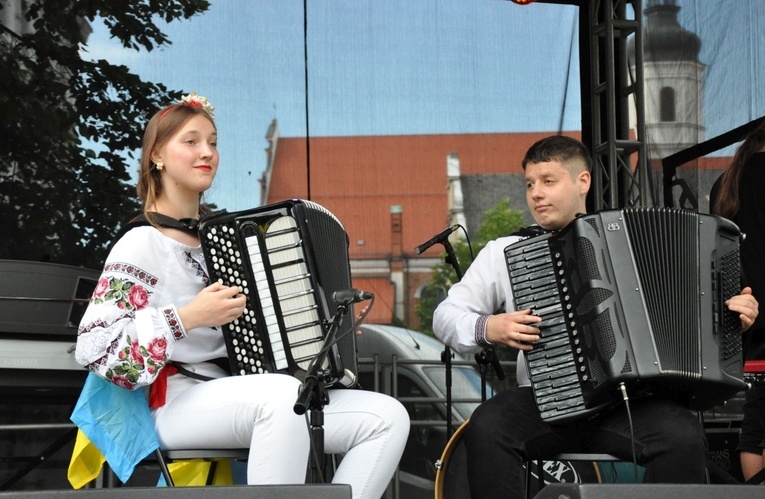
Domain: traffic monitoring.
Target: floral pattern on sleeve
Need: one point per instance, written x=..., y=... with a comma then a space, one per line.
x=123, y=336
x=126, y=294
x=135, y=359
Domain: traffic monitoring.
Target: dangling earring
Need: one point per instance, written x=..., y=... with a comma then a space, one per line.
x=159, y=166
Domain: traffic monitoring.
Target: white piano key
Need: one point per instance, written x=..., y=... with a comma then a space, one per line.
x=294, y=289
x=282, y=223
x=300, y=318
x=280, y=241
x=306, y=351
x=304, y=334
x=296, y=302
x=286, y=256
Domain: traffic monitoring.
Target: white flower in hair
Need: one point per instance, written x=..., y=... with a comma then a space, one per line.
x=198, y=101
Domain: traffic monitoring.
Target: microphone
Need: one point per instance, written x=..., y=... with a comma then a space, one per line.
x=351, y=296
x=438, y=238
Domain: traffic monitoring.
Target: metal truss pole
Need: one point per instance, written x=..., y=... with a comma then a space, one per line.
x=620, y=174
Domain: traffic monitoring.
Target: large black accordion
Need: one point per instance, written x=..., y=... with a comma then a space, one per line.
x=288, y=258
x=634, y=296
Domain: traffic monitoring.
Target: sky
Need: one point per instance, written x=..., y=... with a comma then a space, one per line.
x=374, y=68
x=407, y=67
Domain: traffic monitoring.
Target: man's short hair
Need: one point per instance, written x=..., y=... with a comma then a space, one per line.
x=558, y=148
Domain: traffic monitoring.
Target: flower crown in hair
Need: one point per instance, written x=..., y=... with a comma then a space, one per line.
x=192, y=100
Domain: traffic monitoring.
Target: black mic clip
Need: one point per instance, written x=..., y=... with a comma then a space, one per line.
x=438, y=238
x=488, y=356
x=348, y=296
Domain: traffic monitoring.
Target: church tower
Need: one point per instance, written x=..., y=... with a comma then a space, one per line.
x=673, y=81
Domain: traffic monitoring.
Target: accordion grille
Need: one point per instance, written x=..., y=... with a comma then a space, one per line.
x=666, y=248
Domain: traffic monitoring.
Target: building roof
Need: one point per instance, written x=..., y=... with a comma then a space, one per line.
x=361, y=178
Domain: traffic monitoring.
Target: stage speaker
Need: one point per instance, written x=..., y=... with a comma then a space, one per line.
x=646, y=491
x=334, y=491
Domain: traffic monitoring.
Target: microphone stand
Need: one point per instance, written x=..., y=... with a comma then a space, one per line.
x=313, y=396
x=485, y=357
x=446, y=355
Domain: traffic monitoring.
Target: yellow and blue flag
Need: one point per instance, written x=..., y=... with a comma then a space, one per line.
x=115, y=426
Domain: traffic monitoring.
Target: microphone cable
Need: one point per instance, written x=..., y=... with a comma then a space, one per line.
x=625, y=397
x=312, y=455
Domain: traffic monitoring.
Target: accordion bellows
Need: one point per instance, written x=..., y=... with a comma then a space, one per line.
x=288, y=258
x=634, y=296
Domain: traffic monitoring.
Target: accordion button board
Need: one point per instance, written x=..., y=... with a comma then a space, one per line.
x=274, y=254
x=552, y=366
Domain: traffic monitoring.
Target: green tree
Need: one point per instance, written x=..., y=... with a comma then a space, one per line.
x=62, y=202
x=501, y=220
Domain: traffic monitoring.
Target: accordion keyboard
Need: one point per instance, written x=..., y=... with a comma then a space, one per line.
x=291, y=297
x=551, y=365
x=294, y=293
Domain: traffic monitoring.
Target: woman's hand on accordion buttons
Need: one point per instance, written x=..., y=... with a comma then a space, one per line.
x=514, y=329
x=745, y=304
x=215, y=305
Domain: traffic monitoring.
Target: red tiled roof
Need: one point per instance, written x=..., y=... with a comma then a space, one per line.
x=360, y=178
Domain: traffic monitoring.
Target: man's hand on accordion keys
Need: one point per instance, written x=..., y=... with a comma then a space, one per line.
x=514, y=329
x=215, y=305
x=746, y=306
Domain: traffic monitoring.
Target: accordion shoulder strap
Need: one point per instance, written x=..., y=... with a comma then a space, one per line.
x=186, y=224
x=530, y=231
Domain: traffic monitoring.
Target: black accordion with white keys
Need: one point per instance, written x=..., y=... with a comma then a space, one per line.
x=634, y=296
x=288, y=258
